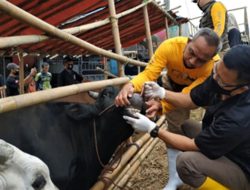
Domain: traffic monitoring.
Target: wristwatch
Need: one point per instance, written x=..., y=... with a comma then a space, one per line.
x=154, y=132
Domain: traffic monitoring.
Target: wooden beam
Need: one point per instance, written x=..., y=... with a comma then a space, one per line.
x=148, y=32
x=116, y=34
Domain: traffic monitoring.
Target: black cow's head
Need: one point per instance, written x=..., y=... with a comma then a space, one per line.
x=104, y=100
x=103, y=127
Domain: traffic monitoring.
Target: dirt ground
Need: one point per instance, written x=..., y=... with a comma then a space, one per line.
x=152, y=174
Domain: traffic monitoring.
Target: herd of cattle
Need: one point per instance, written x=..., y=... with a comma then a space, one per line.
x=64, y=136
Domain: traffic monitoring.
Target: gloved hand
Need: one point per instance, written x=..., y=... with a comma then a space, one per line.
x=153, y=90
x=140, y=123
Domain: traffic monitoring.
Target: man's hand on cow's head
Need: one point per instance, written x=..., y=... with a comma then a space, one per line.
x=153, y=106
x=122, y=99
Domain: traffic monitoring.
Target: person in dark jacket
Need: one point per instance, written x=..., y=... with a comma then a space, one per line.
x=12, y=82
x=68, y=76
x=214, y=17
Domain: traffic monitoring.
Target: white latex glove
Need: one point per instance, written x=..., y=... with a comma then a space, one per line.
x=141, y=123
x=153, y=90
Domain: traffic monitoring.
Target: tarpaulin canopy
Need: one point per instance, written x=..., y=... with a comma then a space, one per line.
x=72, y=13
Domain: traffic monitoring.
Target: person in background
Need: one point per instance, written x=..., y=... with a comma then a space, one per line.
x=43, y=78
x=217, y=151
x=214, y=17
x=68, y=76
x=31, y=87
x=12, y=82
x=234, y=35
x=188, y=62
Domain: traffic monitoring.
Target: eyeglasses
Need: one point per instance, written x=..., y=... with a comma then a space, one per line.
x=219, y=80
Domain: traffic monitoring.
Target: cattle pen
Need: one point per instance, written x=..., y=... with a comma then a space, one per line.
x=50, y=29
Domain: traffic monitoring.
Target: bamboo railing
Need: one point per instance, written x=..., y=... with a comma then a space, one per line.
x=126, y=157
x=25, y=100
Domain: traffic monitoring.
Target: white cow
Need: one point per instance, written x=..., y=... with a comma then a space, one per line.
x=21, y=171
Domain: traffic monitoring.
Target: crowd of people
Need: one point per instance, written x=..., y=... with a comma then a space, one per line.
x=36, y=81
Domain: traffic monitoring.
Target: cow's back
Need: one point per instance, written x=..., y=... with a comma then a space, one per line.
x=46, y=132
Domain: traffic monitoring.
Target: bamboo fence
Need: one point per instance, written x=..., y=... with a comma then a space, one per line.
x=24, y=100
x=126, y=157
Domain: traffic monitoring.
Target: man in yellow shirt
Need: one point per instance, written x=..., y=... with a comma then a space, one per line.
x=188, y=63
x=215, y=17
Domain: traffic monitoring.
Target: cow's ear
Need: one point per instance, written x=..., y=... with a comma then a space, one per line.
x=6, y=152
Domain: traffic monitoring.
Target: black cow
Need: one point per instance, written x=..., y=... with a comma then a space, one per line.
x=62, y=135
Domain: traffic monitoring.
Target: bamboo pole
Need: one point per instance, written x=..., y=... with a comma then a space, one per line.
x=106, y=72
x=26, y=17
x=137, y=162
x=134, y=163
x=148, y=31
x=167, y=29
x=11, y=41
x=116, y=34
x=165, y=12
x=25, y=100
x=246, y=22
x=180, y=29
x=126, y=157
x=21, y=71
x=147, y=147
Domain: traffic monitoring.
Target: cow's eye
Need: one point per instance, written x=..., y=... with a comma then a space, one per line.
x=39, y=182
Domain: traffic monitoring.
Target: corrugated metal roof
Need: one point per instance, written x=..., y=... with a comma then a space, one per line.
x=57, y=12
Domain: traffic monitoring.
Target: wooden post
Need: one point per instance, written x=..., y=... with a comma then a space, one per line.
x=148, y=31
x=246, y=22
x=166, y=23
x=105, y=66
x=180, y=32
x=21, y=71
x=116, y=33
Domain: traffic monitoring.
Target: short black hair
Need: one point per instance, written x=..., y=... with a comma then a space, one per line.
x=68, y=58
x=238, y=59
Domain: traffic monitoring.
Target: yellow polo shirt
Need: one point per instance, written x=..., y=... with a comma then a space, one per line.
x=169, y=55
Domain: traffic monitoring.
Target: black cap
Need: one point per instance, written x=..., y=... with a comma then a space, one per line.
x=12, y=66
x=195, y=1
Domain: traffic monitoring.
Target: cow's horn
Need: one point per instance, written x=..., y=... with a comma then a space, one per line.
x=93, y=94
x=6, y=151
